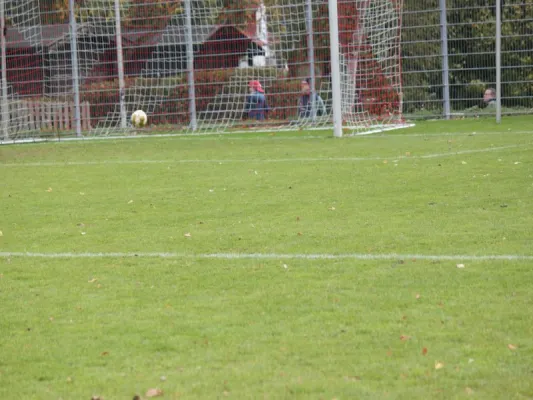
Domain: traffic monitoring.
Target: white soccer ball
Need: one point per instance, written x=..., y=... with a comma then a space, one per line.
x=139, y=119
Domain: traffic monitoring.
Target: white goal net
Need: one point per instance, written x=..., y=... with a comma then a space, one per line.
x=197, y=66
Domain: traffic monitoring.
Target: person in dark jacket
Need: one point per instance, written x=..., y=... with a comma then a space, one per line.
x=305, y=109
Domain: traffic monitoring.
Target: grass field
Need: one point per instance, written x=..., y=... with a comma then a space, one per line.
x=270, y=266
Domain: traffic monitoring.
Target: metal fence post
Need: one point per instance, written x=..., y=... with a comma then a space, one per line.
x=498, y=61
x=120, y=66
x=444, y=55
x=190, y=65
x=75, y=75
x=4, y=103
x=335, y=67
x=311, y=56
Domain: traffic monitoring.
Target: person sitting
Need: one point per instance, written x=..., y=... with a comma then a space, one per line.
x=256, y=104
x=305, y=105
x=489, y=97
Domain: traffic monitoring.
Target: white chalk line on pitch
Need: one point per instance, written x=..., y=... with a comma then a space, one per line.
x=275, y=256
x=269, y=160
x=231, y=136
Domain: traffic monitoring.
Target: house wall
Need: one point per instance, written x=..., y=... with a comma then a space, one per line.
x=223, y=50
x=24, y=71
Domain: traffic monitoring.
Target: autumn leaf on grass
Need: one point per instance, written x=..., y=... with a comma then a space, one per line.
x=92, y=280
x=187, y=234
x=439, y=365
x=154, y=392
x=512, y=347
x=49, y=190
x=403, y=338
x=424, y=351
x=417, y=296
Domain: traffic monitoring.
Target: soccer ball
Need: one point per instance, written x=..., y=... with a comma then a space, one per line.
x=139, y=119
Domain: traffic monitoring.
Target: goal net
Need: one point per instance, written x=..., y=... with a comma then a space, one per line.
x=197, y=66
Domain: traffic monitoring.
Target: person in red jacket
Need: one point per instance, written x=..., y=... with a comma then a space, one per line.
x=256, y=104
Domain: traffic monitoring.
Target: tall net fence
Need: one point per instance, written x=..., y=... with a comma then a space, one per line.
x=196, y=66
x=459, y=79
x=191, y=64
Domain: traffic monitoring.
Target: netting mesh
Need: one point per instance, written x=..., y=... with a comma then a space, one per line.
x=21, y=58
x=371, y=75
x=212, y=66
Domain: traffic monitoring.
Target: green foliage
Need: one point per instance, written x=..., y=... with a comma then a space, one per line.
x=471, y=48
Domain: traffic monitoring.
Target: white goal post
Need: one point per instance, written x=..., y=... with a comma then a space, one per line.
x=199, y=66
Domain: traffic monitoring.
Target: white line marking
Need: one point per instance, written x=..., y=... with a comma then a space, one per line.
x=254, y=135
x=270, y=160
x=274, y=256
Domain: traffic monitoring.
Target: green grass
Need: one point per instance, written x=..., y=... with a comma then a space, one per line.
x=280, y=326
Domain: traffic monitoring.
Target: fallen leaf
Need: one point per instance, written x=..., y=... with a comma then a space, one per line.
x=385, y=161
x=460, y=265
x=105, y=353
x=408, y=153
x=49, y=190
x=417, y=296
x=424, y=351
x=97, y=398
x=512, y=346
x=154, y=393
x=187, y=234
x=93, y=280
x=404, y=338
x=438, y=365
x=331, y=208
x=352, y=378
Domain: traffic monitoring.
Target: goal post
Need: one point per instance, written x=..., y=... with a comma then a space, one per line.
x=198, y=66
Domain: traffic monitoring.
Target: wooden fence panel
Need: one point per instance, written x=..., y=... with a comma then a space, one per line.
x=31, y=115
